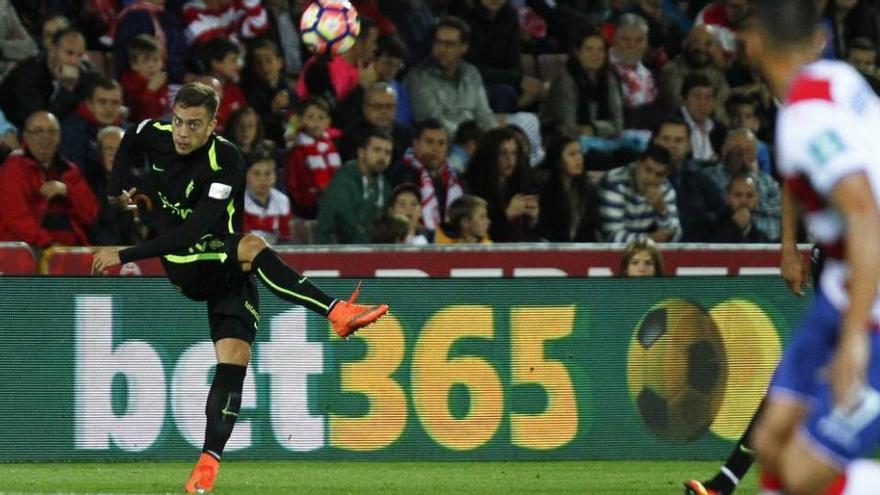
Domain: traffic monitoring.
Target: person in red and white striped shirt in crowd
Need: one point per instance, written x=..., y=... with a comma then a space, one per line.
x=231, y=19
x=313, y=160
x=266, y=209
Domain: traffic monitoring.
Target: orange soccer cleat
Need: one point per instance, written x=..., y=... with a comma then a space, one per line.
x=203, y=475
x=694, y=487
x=348, y=317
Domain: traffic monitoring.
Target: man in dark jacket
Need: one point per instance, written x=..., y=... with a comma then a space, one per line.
x=103, y=107
x=56, y=81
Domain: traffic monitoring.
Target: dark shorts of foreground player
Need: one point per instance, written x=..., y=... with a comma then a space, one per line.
x=210, y=271
x=802, y=377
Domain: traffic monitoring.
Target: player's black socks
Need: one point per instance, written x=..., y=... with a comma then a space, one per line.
x=224, y=401
x=739, y=462
x=288, y=284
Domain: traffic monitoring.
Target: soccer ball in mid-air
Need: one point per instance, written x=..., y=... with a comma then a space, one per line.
x=330, y=26
x=677, y=370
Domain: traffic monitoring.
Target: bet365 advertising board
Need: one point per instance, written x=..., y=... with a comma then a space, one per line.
x=672, y=368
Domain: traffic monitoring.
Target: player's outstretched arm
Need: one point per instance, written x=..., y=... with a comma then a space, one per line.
x=854, y=197
x=792, y=266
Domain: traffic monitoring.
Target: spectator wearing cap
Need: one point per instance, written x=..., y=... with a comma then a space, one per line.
x=44, y=199
x=638, y=200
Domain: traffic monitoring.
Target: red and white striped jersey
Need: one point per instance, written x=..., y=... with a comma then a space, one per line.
x=240, y=19
x=827, y=130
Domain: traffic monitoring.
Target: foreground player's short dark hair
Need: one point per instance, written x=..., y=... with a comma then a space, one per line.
x=196, y=94
x=429, y=124
x=786, y=23
x=657, y=154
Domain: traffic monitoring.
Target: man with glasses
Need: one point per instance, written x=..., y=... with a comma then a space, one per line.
x=44, y=199
x=102, y=108
x=377, y=113
x=444, y=86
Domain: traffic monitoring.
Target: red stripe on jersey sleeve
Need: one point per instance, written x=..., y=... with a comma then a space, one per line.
x=805, y=89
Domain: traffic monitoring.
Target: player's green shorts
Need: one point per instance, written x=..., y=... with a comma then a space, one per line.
x=209, y=271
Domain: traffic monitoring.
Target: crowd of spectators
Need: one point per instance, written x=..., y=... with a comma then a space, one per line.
x=449, y=121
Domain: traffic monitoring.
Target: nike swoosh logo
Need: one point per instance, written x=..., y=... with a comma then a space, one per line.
x=157, y=169
x=226, y=411
x=746, y=449
x=303, y=279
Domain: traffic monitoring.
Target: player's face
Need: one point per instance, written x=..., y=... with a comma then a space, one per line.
x=261, y=177
x=431, y=147
x=641, y=265
x=591, y=53
x=106, y=105
x=674, y=138
x=407, y=204
x=148, y=65
x=191, y=127
x=507, y=155
x=375, y=157
x=572, y=159
x=315, y=121
x=478, y=224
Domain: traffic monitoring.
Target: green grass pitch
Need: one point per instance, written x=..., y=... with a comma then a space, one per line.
x=365, y=477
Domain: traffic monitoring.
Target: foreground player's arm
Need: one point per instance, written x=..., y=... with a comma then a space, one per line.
x=853, y=196
x=794, y=270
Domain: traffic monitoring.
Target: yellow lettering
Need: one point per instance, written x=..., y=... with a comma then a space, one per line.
x=371, y=376
x=434, y=374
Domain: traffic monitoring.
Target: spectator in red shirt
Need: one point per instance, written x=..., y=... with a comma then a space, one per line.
x=44, y=200
x=313, y=160
x=145, y=85
x=266, y=209
x=221, y=61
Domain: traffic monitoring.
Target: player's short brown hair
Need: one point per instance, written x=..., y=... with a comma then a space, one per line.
x=196, y=94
